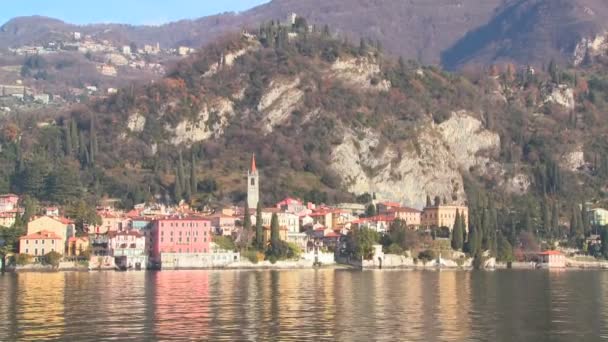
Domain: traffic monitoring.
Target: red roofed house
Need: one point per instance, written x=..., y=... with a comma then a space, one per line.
x=77, y=245
x=552, y=259
x=60, y=226
x=8, y=202
x=412, y=217
x=291, y=205
x=180, y=235
x=41, y=243
x=385, y=207
x=223, y=224
x=128, y=249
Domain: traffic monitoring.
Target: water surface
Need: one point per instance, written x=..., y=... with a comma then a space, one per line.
x=311, y=305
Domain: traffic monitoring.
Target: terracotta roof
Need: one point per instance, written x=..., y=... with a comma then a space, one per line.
x=332, y=235
x=126, y=233
x=404, y=210
x=74, y=238
x=391, y=204
x=43, y=235
x=551, y=253
x=9, y=195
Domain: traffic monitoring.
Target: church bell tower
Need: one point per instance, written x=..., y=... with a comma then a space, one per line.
x=253, y=185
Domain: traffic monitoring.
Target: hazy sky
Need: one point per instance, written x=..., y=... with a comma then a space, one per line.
x=152, y=12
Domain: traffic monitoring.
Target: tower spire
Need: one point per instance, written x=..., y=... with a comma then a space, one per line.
x=253, y=168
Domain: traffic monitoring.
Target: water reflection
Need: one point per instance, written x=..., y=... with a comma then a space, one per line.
x=40, y=305
x=316, y=305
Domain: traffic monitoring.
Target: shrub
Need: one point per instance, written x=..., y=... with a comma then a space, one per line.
x=426, y=255
x=23, y=259
x=251, y=255
x=224, y=242
x=52, y=258
x=395, y=249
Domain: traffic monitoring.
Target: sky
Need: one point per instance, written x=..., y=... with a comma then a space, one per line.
x=136, y=12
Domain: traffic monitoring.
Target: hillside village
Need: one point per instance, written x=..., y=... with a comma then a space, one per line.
x=348, y=126
x=157, y=236
x=42, y=76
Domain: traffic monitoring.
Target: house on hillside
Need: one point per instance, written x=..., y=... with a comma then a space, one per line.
x=40, y=243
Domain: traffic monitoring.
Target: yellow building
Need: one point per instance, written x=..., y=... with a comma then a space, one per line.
x=77, y=245
x=443, y=216
x=61, y=227
x=41, y=243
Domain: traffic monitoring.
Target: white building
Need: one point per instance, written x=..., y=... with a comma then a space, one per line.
x=129, y=249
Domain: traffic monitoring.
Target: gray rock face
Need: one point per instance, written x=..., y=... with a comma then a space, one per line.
x=431, y=165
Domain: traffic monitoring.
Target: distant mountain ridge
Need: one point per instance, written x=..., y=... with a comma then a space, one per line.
x=448, y=32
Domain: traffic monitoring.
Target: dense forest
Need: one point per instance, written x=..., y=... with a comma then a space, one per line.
x=87, y=153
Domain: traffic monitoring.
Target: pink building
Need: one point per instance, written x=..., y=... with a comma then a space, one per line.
x=180, y=235
x=8, y=202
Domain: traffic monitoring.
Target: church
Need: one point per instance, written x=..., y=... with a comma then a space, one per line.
x=253, y=185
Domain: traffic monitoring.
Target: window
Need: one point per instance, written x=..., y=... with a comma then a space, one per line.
x=36, y=242
x=36, y=251
x=27, y=251
x=171, y=240
x=42, y=251
x=161, y=240
x=252, y=181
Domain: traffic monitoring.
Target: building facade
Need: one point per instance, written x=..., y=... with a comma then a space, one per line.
x=180, y=235
x=444, y=216
x=41, y=243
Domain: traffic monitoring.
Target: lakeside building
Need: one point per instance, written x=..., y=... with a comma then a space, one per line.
x=8, y=202
x=60, y=226
x=128, y=249
x=443, y=216
x=40, y=243
x=77, y=246
x=552, y=259
x=180, y=235
x=598, y=217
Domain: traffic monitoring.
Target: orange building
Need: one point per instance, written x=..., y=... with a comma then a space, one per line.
x=41, y=243
x=444, y=216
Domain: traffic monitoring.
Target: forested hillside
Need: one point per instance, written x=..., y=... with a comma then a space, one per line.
x=330, y=121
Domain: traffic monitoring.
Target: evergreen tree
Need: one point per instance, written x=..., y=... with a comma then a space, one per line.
x=69, y=146
x=457, y=235
x=83, y=153
x=74, y=136
x=371, y=210
x=437, y=201
x=604, y=236
x=555, y=220
x=247, y=219
x=275, y=236
x=93, y=150
x=428, y=201
x=177, y=188
x=504, y=249
x=193, y=180
x=259, y=228
x=586, y=225
x=180, y=170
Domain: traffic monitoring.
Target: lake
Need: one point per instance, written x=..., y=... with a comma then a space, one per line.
x=311, y=305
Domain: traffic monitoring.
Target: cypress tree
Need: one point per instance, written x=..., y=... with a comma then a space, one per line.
x=604, y=236
x=180, y=170
x=247, y=219
x=428, y=201
x=68, y=140
x=177, y=188
x=585, y=219
x=457, y=241
x=93, y=141
x=74, y=136
x=193, y=180
x=259, y=229
x=83, y=152
x=274, y=233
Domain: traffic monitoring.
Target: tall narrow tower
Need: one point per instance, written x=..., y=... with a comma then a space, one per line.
x=253, y=185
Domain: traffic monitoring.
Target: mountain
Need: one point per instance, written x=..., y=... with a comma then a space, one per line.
x=448, y=32
x=328, y=121
x=532, y=31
